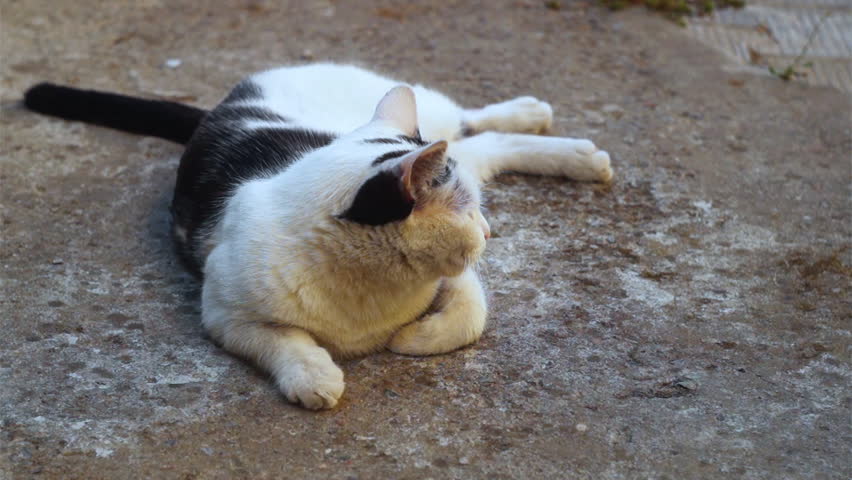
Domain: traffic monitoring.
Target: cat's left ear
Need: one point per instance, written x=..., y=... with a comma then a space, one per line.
x=399, y=110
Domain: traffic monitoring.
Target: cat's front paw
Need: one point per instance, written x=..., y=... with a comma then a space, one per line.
x=588, y=162
x=438, y=333
x=527, y=115
x=418, y=338
x=314, y=381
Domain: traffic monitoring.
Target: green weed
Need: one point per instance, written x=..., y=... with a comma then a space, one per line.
x=676, y=10
x=793, y=70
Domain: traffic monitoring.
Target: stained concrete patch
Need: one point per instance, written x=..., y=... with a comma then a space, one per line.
x=691, y=320
x=645, y=291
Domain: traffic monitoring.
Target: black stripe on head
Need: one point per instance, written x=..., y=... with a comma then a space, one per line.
x=390, y=155
x=415, y=139
x=244, y=91
x=379, y=201
x=383, y=140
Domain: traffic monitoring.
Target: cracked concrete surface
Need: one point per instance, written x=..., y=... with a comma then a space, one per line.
x=691, y=320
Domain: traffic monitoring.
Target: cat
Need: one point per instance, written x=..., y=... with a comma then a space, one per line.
x=333, y=212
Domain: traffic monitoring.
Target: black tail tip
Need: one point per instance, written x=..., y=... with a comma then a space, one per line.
x=39, y=97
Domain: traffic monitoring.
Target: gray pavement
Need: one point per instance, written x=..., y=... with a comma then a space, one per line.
x=691, y=320
x=813, y=35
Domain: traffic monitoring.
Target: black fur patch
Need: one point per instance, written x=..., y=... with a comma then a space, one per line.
x=379, y=201
x=415, y=139
x=221, y=157
x=390, y=155
x=244, y=91
x=383, y=140
x=467, y=130
x=169, y=120
x=239, y=113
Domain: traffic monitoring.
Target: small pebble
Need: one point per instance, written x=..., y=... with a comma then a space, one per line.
x=594, y=118
x=688, y=384
x=172, y=63
x=390, y=393
x=581, y=427
x=57, y=261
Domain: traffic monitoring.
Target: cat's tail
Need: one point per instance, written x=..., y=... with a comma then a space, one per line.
x=157, y=118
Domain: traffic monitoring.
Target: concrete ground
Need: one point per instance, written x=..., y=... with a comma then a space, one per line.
x=691, y=320
x=812, y=36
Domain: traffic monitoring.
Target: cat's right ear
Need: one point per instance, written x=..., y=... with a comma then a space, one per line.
x=399, y=110
x=418, y=168
x=392, y=194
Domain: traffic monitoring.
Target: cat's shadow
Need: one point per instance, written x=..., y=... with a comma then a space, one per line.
x=175, y=277
x=178, y=282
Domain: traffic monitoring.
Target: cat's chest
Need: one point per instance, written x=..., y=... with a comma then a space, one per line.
x=355, y=324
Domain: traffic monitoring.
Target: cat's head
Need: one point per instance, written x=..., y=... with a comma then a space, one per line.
x=406, y=201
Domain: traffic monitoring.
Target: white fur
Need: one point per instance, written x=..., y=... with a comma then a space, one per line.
x=460, y=322
x=286, y=284
x=340, y=98
x=490, y=153
x=523, y=114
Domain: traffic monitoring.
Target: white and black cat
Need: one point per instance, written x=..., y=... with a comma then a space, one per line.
x=333, y=212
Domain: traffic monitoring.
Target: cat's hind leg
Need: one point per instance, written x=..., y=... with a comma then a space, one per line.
x=458, y=320
x=490, y=153
x=519, y=115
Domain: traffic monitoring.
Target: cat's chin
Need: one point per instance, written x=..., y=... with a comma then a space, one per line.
x=453, y=269
x=456, y=265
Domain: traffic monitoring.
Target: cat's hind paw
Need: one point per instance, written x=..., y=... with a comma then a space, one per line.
x=519, y=115
x=315, y=382
x=527, y=115
x=587, y=162
x=601, y=158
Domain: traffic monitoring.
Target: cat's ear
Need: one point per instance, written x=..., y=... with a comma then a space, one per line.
x=399, y=110
x=418, y=168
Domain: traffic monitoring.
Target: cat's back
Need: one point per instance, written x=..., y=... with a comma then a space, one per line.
x=339, y=98
x=336, y=98
x=269, y=121
x=240, y=141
